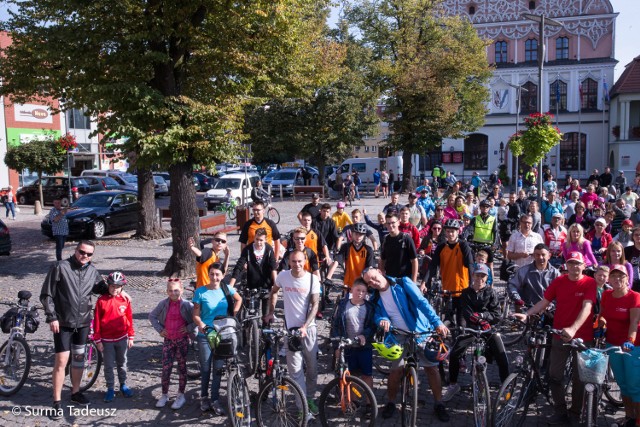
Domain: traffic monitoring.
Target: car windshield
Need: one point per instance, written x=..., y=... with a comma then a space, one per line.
x=159, y=179
x=132, y=179
x=223, y=184
x=94, y=201
x=110, y=181
x=287, y=176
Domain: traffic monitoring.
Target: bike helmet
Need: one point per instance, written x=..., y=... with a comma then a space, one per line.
x=294, y=340
x=389, y=348
x=360, y=228
x=436, y=351
x=452, y=223
x=116, y=278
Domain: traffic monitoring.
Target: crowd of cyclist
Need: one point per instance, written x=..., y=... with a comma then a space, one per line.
x=437, y=242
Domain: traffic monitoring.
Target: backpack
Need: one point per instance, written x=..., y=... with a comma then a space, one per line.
x=227, y=295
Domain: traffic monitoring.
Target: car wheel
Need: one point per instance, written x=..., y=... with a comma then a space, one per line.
x=22, y=200
x=64, y=202
x=98, y=229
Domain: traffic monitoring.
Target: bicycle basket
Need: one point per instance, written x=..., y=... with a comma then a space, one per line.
x=8, y=320
x=592, y=366
x=227, y=339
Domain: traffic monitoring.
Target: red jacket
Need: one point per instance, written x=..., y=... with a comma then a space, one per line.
x=113, y=319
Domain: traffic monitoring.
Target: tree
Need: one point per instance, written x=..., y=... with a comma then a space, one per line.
x=43, y=156
x=435, y=72
x=171, y=76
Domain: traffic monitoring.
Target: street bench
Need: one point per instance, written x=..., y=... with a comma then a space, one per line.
x=301, y=191
x=215, y=223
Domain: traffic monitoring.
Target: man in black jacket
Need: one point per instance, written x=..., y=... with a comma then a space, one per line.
x=66, y=299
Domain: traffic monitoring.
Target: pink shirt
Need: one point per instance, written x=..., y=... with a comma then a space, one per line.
x=585, y=250
x=174, y=321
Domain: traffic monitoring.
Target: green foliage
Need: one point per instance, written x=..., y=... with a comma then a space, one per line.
x=42, y=156
x=537, y=140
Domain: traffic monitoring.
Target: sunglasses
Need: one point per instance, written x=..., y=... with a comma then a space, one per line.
x=83, y=253
x=173, y=280
x=300, y=238
x=219, y=240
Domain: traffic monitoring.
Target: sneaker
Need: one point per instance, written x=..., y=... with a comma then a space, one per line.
x=79, y=399
x=126, y=391
x=162, y=401
x=56, y=412
x=557, y=419
x=452, y=390
x=388, y=410
x=313, y=408
x=109, y=395
x=217, y=408
x=205, y=404
x=441, y=413
x=310, y=417
x=179, y=402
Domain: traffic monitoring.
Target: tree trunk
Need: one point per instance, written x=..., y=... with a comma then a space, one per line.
x=40, y=196
x=408, y=183
x=149, y=227
x=184, y=220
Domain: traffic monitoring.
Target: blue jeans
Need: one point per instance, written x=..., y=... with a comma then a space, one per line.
x=11, y=207
x=59, y=246
x=206, y=360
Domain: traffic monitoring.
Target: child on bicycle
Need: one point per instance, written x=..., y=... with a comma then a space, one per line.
x=483, y=257
x=227, y=198
x=173, y=320
x=354, y=319
x=113, y=333
x=480, y=308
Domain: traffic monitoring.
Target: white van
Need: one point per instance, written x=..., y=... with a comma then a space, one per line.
x=238, y=182
x=365, y=166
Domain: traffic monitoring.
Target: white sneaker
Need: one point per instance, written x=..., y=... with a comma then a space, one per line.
x=162, y=401
x=179, y=402
x=217, y=408
x=452, y=390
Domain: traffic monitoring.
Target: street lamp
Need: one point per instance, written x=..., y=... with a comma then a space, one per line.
x=501, y=152
x=541, y=20
x=519, y=90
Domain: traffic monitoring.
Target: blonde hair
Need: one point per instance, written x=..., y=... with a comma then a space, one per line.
x=581, y=240
x=607, y=253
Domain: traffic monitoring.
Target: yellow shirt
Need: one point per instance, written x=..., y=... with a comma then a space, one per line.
x=341, y=220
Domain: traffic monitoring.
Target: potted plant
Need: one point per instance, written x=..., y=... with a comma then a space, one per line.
x=615, y=131
x=536, y=141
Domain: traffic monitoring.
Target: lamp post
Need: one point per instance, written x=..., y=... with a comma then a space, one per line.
x=519, y=90
x=542, y=21
x=501, y=153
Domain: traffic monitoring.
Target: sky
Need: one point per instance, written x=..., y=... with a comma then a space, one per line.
x=626, y=30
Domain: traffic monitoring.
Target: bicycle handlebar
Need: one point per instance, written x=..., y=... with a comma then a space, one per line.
x=476, y=332
x=399, y=331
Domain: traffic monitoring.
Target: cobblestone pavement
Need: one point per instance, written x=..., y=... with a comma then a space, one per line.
x=142, y=262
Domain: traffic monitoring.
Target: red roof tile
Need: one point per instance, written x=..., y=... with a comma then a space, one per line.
x=629, y=81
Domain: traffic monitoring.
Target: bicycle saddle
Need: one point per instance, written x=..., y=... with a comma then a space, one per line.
x=24, y=295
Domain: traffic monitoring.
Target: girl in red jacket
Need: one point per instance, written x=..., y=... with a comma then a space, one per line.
x=113, y=333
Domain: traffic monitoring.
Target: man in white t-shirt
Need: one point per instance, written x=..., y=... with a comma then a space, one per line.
x=521, y=243
x=301, y=298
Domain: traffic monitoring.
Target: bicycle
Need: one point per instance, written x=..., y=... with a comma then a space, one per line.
x=228, y=208
x=15, y=354
x=250, y=317
x=347, y=400
x=409, y=382
x=270, y=211
x=280, y=400
x=91, y=367
x=479, y=382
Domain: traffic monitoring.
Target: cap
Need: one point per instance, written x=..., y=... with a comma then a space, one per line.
x=481, y=269
x=557, y=215
x=601, y=221
x=627, y=222
x=620, y=171
x=575, y=257
x=340, y=205
x=424, y=190
x=413, y=196
x=619, y=268
x=315, y=196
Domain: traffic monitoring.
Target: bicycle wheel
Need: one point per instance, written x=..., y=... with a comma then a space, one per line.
x=238, y=401
x=14, y=366
x=481, y=397
x=281, y=404
x=611, y=389
x=512, y=331
x=512, y=402
x=253, y=347
x=91, y=370
x=273, y=215
x=409, y=405
x=231, y=213
x=351, y=405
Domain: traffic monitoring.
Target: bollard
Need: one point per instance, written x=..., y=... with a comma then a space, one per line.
x=37, y=208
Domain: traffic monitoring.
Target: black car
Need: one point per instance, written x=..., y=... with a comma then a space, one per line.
x=5, y=239
x=58, y=186
x=99, y=213
x=205, y=182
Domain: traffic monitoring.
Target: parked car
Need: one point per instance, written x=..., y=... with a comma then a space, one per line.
x=287, y=178
x=268, y=178
x=97, y=214
x=5, y=239
x=315, y=174
x=58, y=186
x=160, y=186
x=108, y=183
x=166, y=176
x=205, y=182
x=237, y=182
x=127, y=182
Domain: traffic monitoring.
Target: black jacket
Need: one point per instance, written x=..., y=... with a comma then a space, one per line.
x=67, y=290
x=484, y=302
x=258, y=274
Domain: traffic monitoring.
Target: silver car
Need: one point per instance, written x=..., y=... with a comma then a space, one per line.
x=160, y=186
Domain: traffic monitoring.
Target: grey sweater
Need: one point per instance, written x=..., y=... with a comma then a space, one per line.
x=158, y=315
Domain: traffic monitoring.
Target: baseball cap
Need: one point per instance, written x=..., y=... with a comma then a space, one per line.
x=627, y=222
x=601, y=221
x=575, y=257
x=481, y=269
x=315, y=196
x=340, y=205
x=619, y=268
x=424, y=190
x=557, y=215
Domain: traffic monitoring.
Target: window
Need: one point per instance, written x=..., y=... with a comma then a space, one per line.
x=374, y=148
x=357, y=148
x=557, y=96
x=366, y=148
x=430, y=159
x=529, y=98
x=562, y=48
x=501, y=52
x=532, y=5
x=476, y=151
x=589, y=96
x=76, y=119
x=531, y=50
x=357, y=167
x=472, y=10
x=569, y=151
